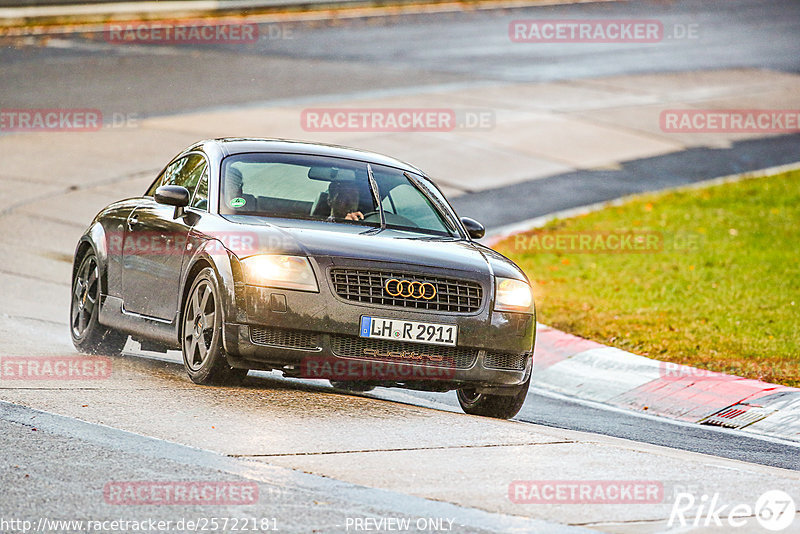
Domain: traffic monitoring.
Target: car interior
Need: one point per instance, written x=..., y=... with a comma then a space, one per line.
x=288, y=190
x=320, y=208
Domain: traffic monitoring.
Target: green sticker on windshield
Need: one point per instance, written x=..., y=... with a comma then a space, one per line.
x=237, y=202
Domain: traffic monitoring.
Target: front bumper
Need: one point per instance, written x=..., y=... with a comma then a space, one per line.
x=315, y=335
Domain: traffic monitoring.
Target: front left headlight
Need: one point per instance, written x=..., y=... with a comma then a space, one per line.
x=512, y=295
x=286, y=272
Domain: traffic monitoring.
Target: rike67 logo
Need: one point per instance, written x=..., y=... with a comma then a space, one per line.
x=774, y=510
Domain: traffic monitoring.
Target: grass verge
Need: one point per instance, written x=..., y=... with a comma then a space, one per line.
x=715, y=282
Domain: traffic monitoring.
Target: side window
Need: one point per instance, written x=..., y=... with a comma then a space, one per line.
x=201, y=193
x=185, y=171
x=152, y=191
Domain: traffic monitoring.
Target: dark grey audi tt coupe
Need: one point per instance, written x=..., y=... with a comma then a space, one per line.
x=317, y=261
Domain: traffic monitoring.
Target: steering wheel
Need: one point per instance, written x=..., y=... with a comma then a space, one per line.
x=374, y=214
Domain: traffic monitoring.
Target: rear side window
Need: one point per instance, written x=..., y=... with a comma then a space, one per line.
x=185, y=171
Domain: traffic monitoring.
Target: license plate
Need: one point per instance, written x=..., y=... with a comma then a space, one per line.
x=398, y=330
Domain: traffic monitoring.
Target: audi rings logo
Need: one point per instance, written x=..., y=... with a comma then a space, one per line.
x=410, y=289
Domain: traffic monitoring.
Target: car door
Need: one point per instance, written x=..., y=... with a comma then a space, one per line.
x=155, y=244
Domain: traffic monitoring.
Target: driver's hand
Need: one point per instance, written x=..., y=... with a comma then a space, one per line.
x=354, y=216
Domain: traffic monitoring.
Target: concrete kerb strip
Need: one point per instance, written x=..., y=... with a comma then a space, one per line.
x=626, y=380
x=592, y=371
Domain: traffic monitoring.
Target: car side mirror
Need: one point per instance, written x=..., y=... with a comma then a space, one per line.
x=474, y=229
x=173, y=195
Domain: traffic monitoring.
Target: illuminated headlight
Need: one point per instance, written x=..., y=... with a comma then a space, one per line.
x=513, y=296
x=287, y=272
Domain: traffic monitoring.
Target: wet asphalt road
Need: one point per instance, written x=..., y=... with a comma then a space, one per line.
x=45, y=493
x=296, y=60
x=546, y=408
x=431, y=50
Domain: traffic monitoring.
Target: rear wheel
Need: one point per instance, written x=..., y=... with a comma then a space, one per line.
x=88, y=335
x=498, y=406
x=201, y=335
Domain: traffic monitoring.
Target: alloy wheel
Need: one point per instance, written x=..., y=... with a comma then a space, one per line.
x=198, y=326
x=85, y=295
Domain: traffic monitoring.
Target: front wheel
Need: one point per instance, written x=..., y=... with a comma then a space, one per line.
x=497, y=406
x=201, y=335
x=88, y=335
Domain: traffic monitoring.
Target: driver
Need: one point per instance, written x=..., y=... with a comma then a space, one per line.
x=343, y=199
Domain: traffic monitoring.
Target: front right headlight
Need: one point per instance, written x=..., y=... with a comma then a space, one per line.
x=512, y=295
x=286, y=272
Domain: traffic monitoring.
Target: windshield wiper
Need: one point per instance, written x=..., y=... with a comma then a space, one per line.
x=376, y=195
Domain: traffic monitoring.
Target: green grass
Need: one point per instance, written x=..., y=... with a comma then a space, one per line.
x=722, y=293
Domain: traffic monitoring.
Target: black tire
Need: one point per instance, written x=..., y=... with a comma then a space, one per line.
x=497, y=406
x=201, y=335
x=355, y=387
x=87, y=334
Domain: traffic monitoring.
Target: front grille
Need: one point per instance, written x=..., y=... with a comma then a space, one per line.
x=452, y=294
x=353, y=347
x=281, y=337
x=496, y=360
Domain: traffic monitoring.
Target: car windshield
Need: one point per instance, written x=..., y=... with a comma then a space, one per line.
x=333, y=190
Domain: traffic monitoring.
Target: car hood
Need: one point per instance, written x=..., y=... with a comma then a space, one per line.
x=363, y=243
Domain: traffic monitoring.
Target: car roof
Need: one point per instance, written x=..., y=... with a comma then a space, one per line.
x=241, y=145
